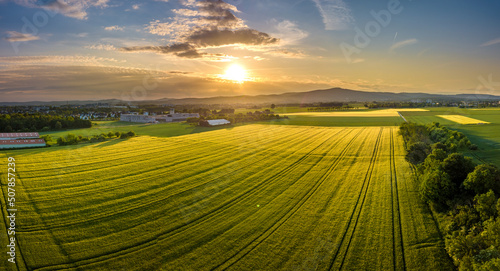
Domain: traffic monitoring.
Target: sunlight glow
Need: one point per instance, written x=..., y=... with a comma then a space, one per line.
x=235, y=73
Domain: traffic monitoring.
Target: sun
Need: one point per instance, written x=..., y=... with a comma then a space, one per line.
x=235, y=73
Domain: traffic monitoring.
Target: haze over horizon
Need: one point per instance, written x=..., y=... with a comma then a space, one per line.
x=132, y=50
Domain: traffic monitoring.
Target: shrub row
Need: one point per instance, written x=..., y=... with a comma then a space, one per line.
x=467, y=193
x=72, y=139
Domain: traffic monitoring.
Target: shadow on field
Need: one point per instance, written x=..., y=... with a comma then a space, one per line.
x=108, y=143
x=199, y=129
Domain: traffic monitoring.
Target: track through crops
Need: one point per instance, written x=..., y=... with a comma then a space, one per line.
x=254, y=197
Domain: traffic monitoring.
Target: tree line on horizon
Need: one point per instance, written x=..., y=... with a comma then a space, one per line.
x=24, y=122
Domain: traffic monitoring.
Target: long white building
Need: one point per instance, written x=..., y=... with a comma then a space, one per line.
x=172, y=117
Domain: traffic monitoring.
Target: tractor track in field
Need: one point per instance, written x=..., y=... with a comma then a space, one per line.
x=136, y=207
x=18, y=251
x=285, y=217
x=396, y=205
x=179, y=229
x=362, y=197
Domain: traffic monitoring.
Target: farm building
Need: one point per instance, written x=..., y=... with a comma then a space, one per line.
x=11, y=136
x=137, y=118
x=218, y=122
x=20, y=140
x=172, y=117
x=21, y=143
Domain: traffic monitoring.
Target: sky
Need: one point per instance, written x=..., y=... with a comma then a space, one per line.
x=58, y=50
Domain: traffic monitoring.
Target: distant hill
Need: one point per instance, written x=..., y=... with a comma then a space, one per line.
x=323, y=95
x=329, y=95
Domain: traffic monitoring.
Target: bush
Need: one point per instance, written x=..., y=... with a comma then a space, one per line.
x=71, y=139
x=47, y=138
x=61, y=141
x=473, y=147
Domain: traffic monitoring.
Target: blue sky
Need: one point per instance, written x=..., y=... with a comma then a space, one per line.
x=100, y=49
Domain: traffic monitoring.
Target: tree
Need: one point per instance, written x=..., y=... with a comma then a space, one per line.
x=58, y=125
x=417, y=152
x=111, y=134
x=8, y=129
x=131, y=134
x=486, y=205
x=462, y=247
x=436, y=187
x=483, y=178
x=457, y=166
x=47, y=138
x=439, y=145
x=465, y=219
x=491, y=265
x=273, y=106
x=433, y=161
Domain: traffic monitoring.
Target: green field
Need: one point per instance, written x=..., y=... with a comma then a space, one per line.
x=486, y=136
x=253, y=197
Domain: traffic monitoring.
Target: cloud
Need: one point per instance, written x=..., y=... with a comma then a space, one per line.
x=403, y=43
x=491, y=42
x=286, y=53
x=358, y=60
x=200, y=25
x=113, y=28
x=289, y=32
x=180, y=49
x=184, y=50
x=104, y=47
x=56, y=60
x=216, y=37
x=81, y=35
x=336, y=14
x=16, y=36
x=69, y=8
x=135, y=7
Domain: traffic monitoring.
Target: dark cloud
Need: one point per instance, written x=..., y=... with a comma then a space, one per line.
x=215, y=37
x=185, y=50
x=214, y=25
x=219, y=13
